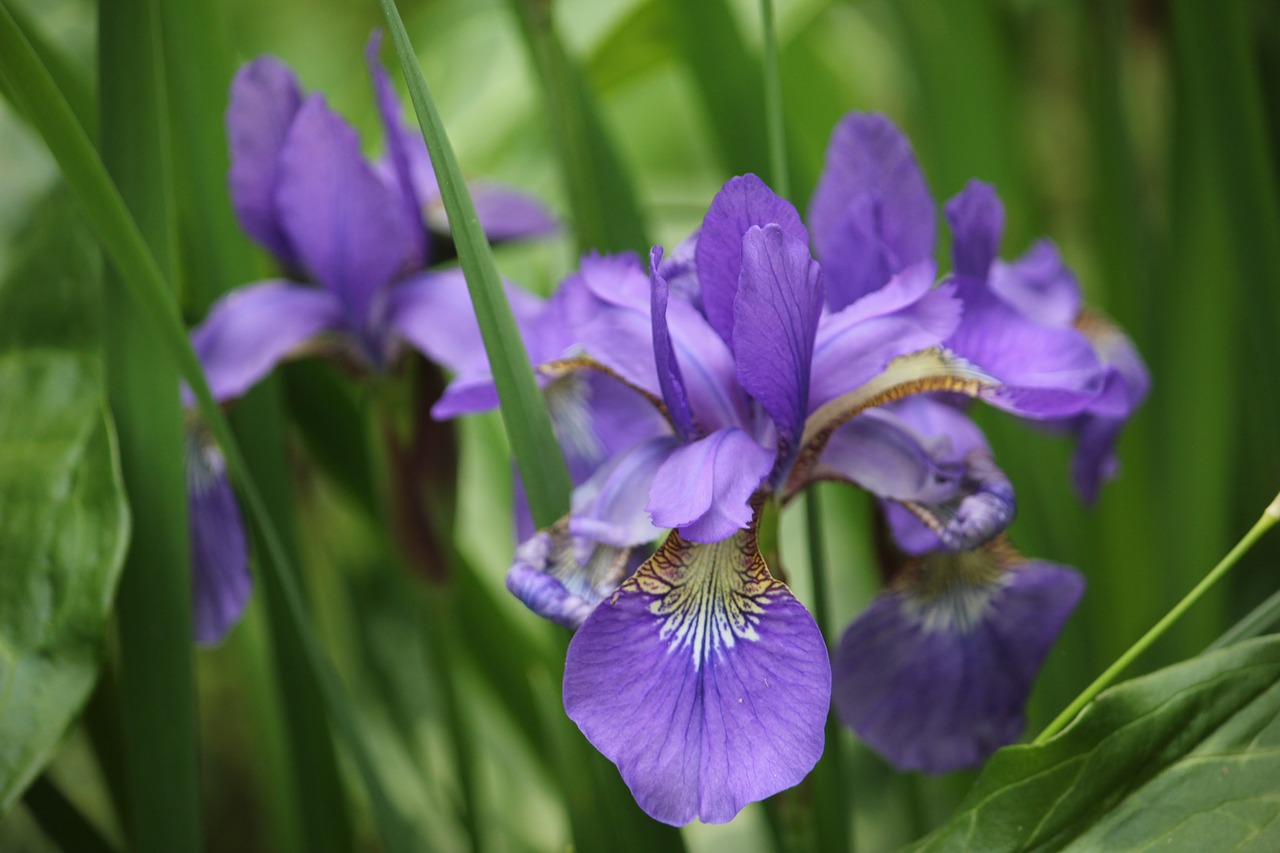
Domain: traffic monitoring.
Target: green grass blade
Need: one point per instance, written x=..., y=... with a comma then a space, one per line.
x=61, y=821
x=157, y=667
x=119, y=234
x=602, y=200
x=528, y=426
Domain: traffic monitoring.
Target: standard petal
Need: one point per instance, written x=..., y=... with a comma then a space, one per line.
x=670, y=379
x=703, y=679
x=742, y=202
x=399, y=144
x=857, y=343
x=1039, y=285
x=350, y=229
x=220, y=579
x=935, y=676
x=251, y=329
x=610, y=506
x=871, y=211
x=704, y=489
x=265, y=98
x=776, y=313
x=1045, y=371
x=976, y=216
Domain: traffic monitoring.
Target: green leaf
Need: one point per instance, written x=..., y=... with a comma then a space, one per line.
x=64, y=522
x=1185, y=758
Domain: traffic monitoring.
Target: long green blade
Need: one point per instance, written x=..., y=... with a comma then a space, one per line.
x=119, y=235
x=538, y=456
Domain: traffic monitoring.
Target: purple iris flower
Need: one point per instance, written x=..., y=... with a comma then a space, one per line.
x=698, y=673
x=353, y=239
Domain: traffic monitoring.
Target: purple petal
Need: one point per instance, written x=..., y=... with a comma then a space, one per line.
x=433, y=312
x=349, y=228
x=220, y=579
x=742, y=202
x=609, y=507
x=554, y=583
x=776, y=315
x=703, y=680
x=265, y=98
x=1046, y=371
x=507, y=214
x=704, y=489
x=871, y=212
x=251, y=329
x=935, y=677
x=669, y=378
x=399, y=144
x=857, y=343
x=976, y=216
x=681, y=272
x=1039, y=285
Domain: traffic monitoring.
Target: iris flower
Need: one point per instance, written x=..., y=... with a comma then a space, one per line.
x=353, y=239
x=696, y=671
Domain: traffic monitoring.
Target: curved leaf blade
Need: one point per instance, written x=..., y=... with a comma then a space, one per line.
x=1186, y=758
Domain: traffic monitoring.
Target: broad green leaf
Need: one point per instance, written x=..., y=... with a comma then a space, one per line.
x=63, y=518
x=1186, y=758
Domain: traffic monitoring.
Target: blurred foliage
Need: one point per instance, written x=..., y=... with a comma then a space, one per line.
x=1140, y=135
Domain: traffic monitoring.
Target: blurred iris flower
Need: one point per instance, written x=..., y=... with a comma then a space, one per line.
x=725, y=378
x=353, y=240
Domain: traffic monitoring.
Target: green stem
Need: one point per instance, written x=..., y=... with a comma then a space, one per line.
x=1269, y=517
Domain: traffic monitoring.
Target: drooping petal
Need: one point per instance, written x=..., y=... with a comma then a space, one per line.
x=398, y=142
x=930, y=458
x=508, y=214
x=350, y=229
x=704, y=489
x=976, y=216
x=871, y=212
x=935, y=676
x=742, y=202
x=776, y=313
x=248, y=331
x=857, y=343
x=551, y=579
x=1039, y=285
x=220, y=579
x=703, y=679
x=265, y=98
x=1045, y=371
x=433, y=312
x=670, y=379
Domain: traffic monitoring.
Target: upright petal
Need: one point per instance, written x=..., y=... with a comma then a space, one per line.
x=976, y=216
x=858, y=342
x=610, y=506
x=703, y=679
x=935, y=675
x=1039, y=285
x=670, y=379
x=220, y=579
x=349, y=228
x=248, y=331
x=776, y=313
x=742, y=202
x=871, y=212
x=399, y=144
x=265, y=98
x=704, y=489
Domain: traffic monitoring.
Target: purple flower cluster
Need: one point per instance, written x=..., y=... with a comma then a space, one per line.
x=353, y=239
x=739, y=369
